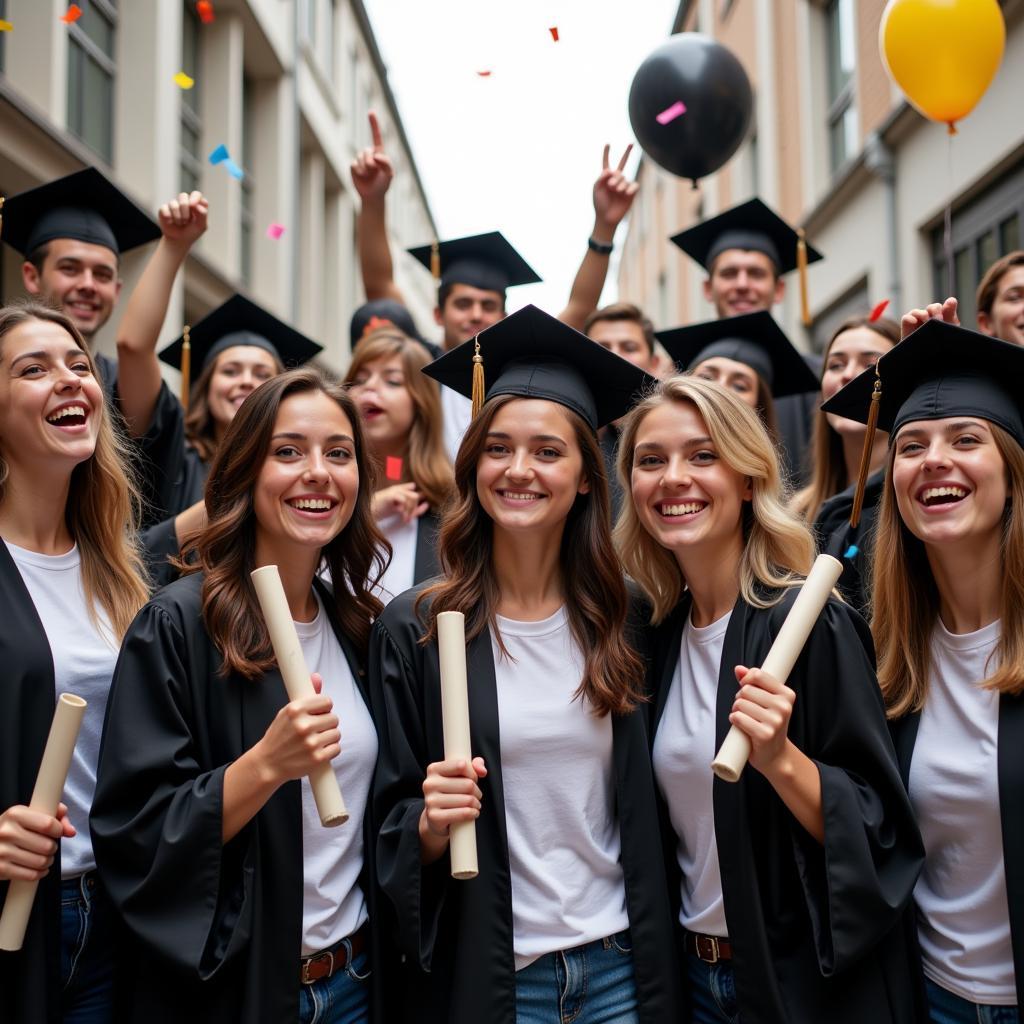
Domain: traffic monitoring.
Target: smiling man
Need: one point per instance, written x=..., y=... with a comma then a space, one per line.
x=1000, y=299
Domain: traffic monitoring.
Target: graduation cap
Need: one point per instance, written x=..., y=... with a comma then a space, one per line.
x=940, y=370
x=751, y=338
x=481, y=261
x=84, y=206
x=381, y=313
x=752, y=225
x=532, y=355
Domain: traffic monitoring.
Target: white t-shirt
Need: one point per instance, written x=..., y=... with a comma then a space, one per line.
x=457, y=413
x=964, y=916
x=84, y=656
x=333, y=903
x=560, y=816
x=684, y=748
x=401, y=571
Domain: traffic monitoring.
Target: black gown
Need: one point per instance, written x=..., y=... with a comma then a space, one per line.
x=1010, y=767
x=460, y=933
x=819, y=933
x=216, y=928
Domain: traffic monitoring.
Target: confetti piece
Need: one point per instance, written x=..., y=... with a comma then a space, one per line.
x=554, y=33
x=234, y=170
x=275, y=230
x=484, y=74
x=851, y=552
x=393, y=468
x=219, y=155
x=205, y=11
x=73, y=13
x=669, y=114
x=182, y=81
x=877, y=312
x=6, y=26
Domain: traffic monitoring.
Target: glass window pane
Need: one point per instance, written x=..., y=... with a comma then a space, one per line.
x=964, y=284
x=90, y=102
x=1009, y=235
x=988, y=252
x=840, y=39
x=96, y=26
x=189, y=179
x=190, y=59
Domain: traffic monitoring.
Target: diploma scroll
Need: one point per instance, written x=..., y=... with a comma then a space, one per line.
x=451, y=644
x=53, y=772
x=732, y=755
x=285, y=641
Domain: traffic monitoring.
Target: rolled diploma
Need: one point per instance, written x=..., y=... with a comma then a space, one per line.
x=53, y=772
x=451, y=645
x=735, y=749
x=285, y=641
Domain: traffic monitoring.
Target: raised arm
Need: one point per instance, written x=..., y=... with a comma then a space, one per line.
x=182, y=221
x=613, y=196
x=372, y=172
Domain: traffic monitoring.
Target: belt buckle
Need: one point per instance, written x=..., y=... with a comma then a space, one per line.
x=307, y=979
x=710, y=943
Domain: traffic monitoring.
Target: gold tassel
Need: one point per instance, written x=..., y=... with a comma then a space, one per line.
x=435, y=260
x=801, y=265
x=478, y=379
x=865, y=455
x=186, y=368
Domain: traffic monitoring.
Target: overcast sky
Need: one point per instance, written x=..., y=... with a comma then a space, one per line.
x=517, y=151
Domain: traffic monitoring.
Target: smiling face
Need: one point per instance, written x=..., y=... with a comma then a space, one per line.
x=467, y=311
x=1006, y=319
x=851, y=353
x=743, y=281
x=385, y=405
x=739, y=378
x=685, y=495
x=50, y=402
x=306, y=490
x=531, y=468
x=950, y=480
x=238, y=371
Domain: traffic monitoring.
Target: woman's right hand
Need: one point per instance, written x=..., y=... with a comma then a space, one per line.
x=28, y=841
x=450, y=796
x=398, y=499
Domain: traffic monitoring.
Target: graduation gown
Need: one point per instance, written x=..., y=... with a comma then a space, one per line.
x=1010, y=766
x=460, y=933
x=427, y=565
x=217, y=928
x=818, y=932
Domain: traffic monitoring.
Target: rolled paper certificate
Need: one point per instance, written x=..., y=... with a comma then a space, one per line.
x=735, y=749
x=53, y=772
x=451, y=645
x=287, y=650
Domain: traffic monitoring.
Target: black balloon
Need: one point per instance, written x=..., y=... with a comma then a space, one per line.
x=708, y=79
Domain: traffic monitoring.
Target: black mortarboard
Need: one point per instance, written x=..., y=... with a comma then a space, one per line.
x=381, y=313
x=84, y=206
x=751, y=338
x=240, y=322
x=532, y=355
x=481, y=261
x=751, y=225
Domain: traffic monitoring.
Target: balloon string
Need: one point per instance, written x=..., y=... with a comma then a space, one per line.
x=947, y=240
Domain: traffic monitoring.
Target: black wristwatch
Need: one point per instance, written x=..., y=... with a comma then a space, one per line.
x=601, y=248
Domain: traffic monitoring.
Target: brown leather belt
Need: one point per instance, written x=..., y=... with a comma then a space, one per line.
x=322, y=965
x=708, y=948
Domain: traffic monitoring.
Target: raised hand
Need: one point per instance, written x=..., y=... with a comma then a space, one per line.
x=613, y=195
x=372, y=169
x=945, y=311
x=183, y=220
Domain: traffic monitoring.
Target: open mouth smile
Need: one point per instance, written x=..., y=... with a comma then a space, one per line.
x=317, y=506
x=678, y=509
x=67, y=416
x=945, y=494
x=520, y=497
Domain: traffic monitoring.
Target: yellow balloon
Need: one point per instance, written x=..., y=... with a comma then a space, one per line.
x=943, y=54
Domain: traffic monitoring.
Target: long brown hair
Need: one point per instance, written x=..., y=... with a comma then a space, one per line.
x=103, y=502
x=200, y=426
x=778, y=548
x=429, y=466
x=596, y=598
x=225, y=549
x=828, y=466
x=905, y=598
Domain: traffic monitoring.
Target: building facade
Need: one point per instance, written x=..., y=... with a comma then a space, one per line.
x=285, y=86
x=835, y=147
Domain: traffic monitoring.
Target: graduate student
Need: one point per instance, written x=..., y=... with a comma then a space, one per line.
x=244, y=907
x=1000, y=299
x=790, y=885
x=400, y=410
x=71, y=581
x=568, y=918
x=947, y=606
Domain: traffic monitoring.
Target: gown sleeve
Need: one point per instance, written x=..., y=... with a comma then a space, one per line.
x=858, y=884
x=415, y=891
x=157, y=814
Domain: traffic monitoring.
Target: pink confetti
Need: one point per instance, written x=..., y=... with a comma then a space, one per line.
x=671, y=113
x=393, y=468
x=484, y=74
x=275, y=230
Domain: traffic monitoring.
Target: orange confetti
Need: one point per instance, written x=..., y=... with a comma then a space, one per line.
x=554, y=33
x=73, y=13
x=205, y=11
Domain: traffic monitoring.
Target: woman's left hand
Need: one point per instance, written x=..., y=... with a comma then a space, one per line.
x=762, y=709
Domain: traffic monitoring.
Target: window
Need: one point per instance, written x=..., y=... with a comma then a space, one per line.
x=248, y=127
x=842, y=111
x=983, y=230
x=191, y=126
x=91, y=73
x=853, y=303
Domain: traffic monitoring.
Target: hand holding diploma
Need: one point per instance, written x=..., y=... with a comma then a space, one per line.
x=28, y=841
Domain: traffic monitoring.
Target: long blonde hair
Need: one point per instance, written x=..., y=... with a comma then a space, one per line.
x=905, y=598
x=778, y=547
x=103, y=501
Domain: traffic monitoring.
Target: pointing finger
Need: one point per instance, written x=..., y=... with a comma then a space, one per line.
x=375, y=134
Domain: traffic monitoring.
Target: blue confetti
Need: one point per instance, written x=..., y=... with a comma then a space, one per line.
x=234, y=170
x=851, y=551
x=219, y=155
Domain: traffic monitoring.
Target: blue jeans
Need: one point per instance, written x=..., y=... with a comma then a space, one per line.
x=946, y=1008
x=591, y=984
x=712, y=992
x=86, y=951
x=343, y=998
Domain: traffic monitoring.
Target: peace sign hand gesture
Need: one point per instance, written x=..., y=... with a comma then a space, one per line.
x=372, y=169
x=613, y=195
